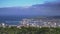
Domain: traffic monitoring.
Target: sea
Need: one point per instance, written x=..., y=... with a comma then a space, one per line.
x=16, y=19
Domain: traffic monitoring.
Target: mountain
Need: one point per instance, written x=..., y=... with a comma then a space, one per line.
x=47, y=9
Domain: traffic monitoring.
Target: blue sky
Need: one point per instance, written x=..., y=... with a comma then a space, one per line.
x=12, y=3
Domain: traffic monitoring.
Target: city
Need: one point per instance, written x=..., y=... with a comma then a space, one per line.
x=29, y=16
x=34, y=22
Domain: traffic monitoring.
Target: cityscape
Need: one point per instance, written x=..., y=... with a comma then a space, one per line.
x=29, y=16
x=34, y=22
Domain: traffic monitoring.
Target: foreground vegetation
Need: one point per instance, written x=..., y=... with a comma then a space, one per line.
x=29, y=30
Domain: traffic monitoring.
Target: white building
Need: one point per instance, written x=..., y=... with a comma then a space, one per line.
x=3, y=25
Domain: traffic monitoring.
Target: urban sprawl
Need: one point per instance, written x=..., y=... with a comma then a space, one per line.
x=32, y=22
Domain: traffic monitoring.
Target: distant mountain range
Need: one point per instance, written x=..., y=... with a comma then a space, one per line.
x=47, y=9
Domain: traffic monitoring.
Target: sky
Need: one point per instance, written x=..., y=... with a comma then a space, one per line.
x=23, y=3
x=35, y=7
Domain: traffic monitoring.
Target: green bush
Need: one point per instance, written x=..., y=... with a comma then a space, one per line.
x=30, y=30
